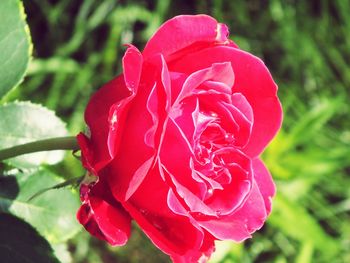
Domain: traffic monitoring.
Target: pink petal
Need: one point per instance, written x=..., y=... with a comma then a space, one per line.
x=125, y=176
x=239, y=225
x=215, y=103
x=172, y=233
x=231, y=197
x=183, y=31
x=142, y=130
x=252, y=79
x=86, y=153
x=197, y=256
x=219, y=72
x=193, y=203
x=106, y=110
x=180, y=177
x=158, y=103
x=265, y=183
x=241, y=103
x=245, y=126
x=96, y=117
x=114, y=222
x=103, y=216
x=177, y=163
x=132, y=66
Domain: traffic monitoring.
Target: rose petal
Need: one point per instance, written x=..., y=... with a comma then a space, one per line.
x=177, y=168
x=177, y=163
x=158, y=103
x=253, y=80
x=234, y=194
x=241, y=103
x=264, y=181
x=173, y=234
x=105, y=221
x=217, y=86
x=197, y=256
x=183, y=31
x=96, y=117
x=86, y=152
x=220, y=72
x=239, y=225
x=132, y=66
x=144, y=128
x=193, y=203
x=105, y=113
x=245, y=126
x=103, y=216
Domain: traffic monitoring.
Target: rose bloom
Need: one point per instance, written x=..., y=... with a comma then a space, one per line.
x=174, y=142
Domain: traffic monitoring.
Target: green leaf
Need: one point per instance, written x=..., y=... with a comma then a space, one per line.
x=15, y=45
x=21, y=243
x=52, y=213
x=23, y=122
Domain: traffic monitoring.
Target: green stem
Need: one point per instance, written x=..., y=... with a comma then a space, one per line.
x=59, y=143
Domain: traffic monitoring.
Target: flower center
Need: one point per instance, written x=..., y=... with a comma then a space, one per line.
x=210, y=137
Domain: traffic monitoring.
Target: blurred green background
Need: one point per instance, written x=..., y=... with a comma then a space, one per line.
x=78, y=46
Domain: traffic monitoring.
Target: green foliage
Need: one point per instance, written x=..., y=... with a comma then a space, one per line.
x=20, y=242
x=15, y=45
x=23, y=122
x=288, y=216
x=52, y=213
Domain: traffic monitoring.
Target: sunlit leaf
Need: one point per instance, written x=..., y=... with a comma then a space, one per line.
x=23, y=122
x=51, y=213
x=15, y=45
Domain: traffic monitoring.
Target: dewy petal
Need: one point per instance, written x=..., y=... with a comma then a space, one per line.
x=220, y=72
x=241, y=103
x=183, y=31
x=144, y=129
x=245, y=125
x=125, y=176
x=86, y=153
x=253, y=80
x=232, y=196
x=207, y=247
x=132, y=67
x=240, y=224
x=192, y=201
x=235, y=193
x=105, y=113
x=105, y=222
x=158, y=103
x=174, y=234
x=264, y=181
x=96, y=117
x=103, y=216
x=222, y=33
x=177, y=162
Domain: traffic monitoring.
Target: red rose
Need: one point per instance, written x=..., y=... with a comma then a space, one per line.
x=175, y=142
